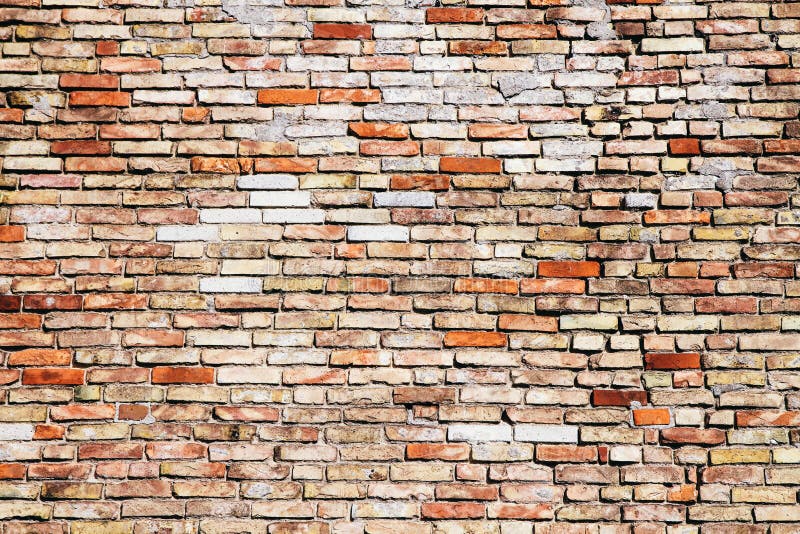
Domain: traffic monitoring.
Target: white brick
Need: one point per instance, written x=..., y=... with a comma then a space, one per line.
x=641, y=200
x=143, y=96
x=585, y=79
x=625, y=453
x=30, y=81
x=249, y=375
x=230, y=215
x=268, y=181
x=473, y=433
x=278, y=199
x=577, y=148
x=377, y=233
x=410, y=199
x=187, y=233
x=213, y=338
x=546, y=433
x=255, y=266
x=678, y=44
x=226, y=96
x=16, y=432
x=293, y=216
x=231, y=284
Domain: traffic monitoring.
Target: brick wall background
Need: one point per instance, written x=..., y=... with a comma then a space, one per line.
x=366, y=267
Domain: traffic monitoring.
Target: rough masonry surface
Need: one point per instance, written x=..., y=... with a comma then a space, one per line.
x=397, y=267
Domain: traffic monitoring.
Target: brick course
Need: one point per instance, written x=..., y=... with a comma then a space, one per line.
x=330, y=267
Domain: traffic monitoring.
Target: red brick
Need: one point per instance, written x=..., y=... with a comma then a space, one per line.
x=350, y=95
x=183, y=375
x=618, y=397
x=82, y=412
x=342, y=31
x=478, y=48
x=56, y=376
x=685, y=286
x=726, y=305
x=27, y=357
x=290, y=165
x=731, y=146
x=670, y=360
x=94, y=148
x=99, y=98
x=522, y=511
x=107, y=48
x=89, y=81
x=767, y=418
x=684, y=147
x=452, y=510
x=48, y=432
x=450, y=452
x=10, y=302
x=12, y=471
x=435, y=15
x=20, y=320
x=52, y=302
x=694, y=436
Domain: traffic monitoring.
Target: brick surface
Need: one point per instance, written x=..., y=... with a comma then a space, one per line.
x=339, y=267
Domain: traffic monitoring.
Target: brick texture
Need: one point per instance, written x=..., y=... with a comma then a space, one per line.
x=342, y=267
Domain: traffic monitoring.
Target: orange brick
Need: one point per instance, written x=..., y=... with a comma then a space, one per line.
x=99, y=98
x=379, y=129
x=471, y=165
x=350, y=95
x=12, y=234
x=283, y=97
x=475, y=339
x=651, y=417
x=568, y=269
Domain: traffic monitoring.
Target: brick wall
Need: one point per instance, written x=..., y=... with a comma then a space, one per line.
x=328, y=267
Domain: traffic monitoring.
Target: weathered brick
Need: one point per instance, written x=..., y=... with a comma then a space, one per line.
x=320, y=267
